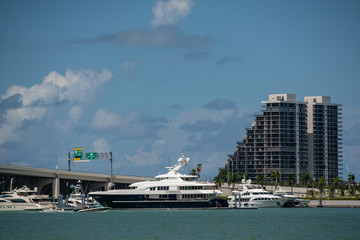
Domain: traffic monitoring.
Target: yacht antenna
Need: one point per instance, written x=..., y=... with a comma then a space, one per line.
x=159, y=165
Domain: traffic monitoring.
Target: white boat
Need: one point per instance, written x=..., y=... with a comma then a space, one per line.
x=78, y=200
x=293, y=201
x=235, y=202
x=252, y=196
x=23, y=199
x=170, y=190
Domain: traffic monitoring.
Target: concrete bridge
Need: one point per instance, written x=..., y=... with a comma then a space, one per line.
x=55, y=182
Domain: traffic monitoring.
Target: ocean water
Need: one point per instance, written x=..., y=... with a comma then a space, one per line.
x=281, y=223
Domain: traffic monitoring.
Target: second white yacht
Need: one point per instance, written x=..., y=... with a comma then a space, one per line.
x=252, y=196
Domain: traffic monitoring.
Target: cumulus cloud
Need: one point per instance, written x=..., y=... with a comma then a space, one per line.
x=228, y=59
x=23, y=105
x=171, y=12
x=74, y=86
x=137, y=124
x=220, y=104
x=101, y=145
x=129, y=69
x=161, y=37
x=147, y=155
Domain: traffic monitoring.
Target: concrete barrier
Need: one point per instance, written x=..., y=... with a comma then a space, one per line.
x=336, y=203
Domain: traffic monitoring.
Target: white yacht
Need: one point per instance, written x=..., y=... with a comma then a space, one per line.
x=251, y=196
x=235, y=202
x=293, y=201
x=23, y=199
x=78, y=200
x=170, y=190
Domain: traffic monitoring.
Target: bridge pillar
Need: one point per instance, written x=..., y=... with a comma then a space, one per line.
x=56, y=186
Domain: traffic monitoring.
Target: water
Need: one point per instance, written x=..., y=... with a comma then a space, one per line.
x=309, y=223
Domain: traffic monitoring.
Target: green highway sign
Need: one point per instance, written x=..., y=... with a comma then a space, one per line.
x=91, y=155
x=78, y=154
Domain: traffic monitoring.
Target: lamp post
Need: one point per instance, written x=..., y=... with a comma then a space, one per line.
x=59, y=154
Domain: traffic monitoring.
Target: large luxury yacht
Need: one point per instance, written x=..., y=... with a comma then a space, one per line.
x=170, y=190
x=23, y=199
x=251, y=196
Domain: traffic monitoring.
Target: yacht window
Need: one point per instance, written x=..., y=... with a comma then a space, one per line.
x=16, y=200
x=2, y=200
x=4, y=196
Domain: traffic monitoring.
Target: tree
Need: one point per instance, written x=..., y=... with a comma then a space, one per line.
x=198, y=169
x=260, y=179
x=291, y=180
x=351, y=180
x=336, y=182
x=193, y=172
x=275, y=176
x=306, y=181
x=219, y=180
x=322, y=183
x=231, y=180
x=238, y=176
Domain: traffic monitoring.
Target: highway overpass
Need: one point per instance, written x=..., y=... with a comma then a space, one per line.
x=55, y=182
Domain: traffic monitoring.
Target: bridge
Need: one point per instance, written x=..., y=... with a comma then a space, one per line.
x=54, y=182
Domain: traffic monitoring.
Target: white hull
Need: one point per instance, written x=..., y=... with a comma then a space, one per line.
x=267, y=204
x=20, y=207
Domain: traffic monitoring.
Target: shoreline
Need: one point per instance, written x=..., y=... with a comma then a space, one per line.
x=336, y=203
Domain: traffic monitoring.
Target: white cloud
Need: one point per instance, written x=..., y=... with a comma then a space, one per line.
x=75, y=113
x=137, y=124
x=101, y=145
x=35, y=102
x=16, y=117
x=149, y=155
x=75, y=86
x=171, y=12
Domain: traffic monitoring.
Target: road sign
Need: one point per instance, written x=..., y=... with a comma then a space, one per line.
x=78, y=154
x=91, y=155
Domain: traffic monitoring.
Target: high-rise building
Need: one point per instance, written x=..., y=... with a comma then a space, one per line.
x=292, y=138
x=324, y=137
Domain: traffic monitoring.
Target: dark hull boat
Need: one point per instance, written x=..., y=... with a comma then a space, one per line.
x=170, y=190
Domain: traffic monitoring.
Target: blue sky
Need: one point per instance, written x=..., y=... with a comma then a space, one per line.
x=150, y=79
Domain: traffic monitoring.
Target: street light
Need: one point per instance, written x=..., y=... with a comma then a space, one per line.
x=116, y=155
x=61, y=143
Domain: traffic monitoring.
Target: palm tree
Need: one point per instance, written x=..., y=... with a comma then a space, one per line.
x=231, y=180
x=291, y=180
x=198, y=169
x=336, y=182
x=275, y=176
x=193, y=172
x=260, y=179
x=351, y=180
x=322, y=183
x=219, y=180
x=306, y=181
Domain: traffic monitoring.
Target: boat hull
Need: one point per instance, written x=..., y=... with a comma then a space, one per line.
x=114, y=202
x=19, y=207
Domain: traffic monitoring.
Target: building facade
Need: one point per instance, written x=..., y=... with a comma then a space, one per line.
x=292, y=138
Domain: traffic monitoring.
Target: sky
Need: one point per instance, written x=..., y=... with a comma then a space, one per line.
x=151, y=79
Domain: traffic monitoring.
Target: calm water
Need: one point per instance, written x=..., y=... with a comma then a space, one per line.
x=310, y=223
